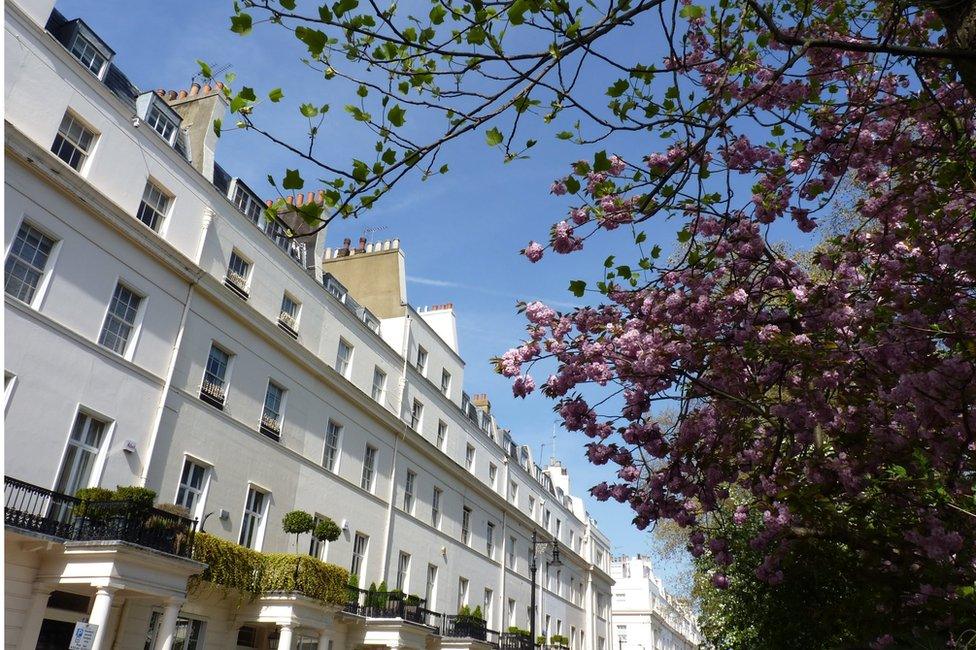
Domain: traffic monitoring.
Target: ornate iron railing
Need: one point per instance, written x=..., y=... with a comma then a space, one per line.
x=381, y=604
x=33, y=508
x=514, y=641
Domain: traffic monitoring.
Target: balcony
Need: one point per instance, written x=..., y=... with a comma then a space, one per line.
x=270, y=427
x=212, y=393
x=288, y=323
x=236, y=283
x=31, y=508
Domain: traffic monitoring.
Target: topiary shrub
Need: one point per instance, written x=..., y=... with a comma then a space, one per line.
x=139, y=497
x=327, y=531
x=477, y=615
x=297, y=522
x=519, y=631
x=90, y=508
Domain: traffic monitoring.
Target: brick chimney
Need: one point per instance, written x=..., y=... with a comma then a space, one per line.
x=199, y=107
x=481, y=402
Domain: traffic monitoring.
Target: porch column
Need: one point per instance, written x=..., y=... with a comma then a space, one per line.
x=167, y=626
x=31, y=628
x=323, y=640
x=99, y=615
x=285, y=637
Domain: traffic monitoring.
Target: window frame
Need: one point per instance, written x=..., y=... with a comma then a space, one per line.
x=435, y=507
x=255, y=532
x=200, y=497
x=346, y=361
x=409, y=485
x=421, y=360
x=446, y=381
x=368, y=480
x=272, y=426
x=64, y=135
x=242, y=287
x=332, y=453
x=378, y=392
x=416, y=415
x=215, y=400
x=357, y=565
x=44, y=274
x=134, y=327
x=160, y=217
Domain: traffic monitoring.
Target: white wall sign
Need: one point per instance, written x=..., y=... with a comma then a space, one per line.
x=83, y=637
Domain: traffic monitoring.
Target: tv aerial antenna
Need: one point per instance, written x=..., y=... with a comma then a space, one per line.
x=369, y=230
x=215, y=71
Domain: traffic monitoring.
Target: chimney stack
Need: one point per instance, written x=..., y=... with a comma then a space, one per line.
x=344, y=251
x=199, y=108
x=362, y=245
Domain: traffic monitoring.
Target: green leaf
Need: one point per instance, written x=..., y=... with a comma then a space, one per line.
x=396, y=115
x=683, y=235
x=691, y=12
x=216, y=127
x=324, y=14
x=618, y=88
x=205, y=69
x=640, y=238
x=516, y=13
x=437, y=14
x=240, y=24
x=572, y=185
x=778, y=130
x=607, y=263
x=276, y=95
x=601, y=162
x=577, y=287
x=308, y=110
x=292, y=180
x=564, y=135
x=494, y=137
x=314, y=39
x=287, y=4
x=362, y=91
x=360, y=171
x=343, y=6
x=656, y=252
x=443, y=169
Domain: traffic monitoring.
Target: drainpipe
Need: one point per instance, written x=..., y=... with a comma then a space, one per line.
x=388, y=534
x=208, y=215
x=503, y=602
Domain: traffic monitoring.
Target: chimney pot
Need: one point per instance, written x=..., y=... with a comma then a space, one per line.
x=299, y=200
x=194, y=88
x=362, y=245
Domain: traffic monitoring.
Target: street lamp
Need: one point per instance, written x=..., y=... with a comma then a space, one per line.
x=552, y=561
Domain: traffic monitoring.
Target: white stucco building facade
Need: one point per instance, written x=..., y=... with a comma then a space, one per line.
x=158, y=333
x=645, y=616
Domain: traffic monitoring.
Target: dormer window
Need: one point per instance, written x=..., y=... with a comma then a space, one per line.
x=161, y=124
x=84, y=44
x=246, y=202
x=86, y=52
x=161, y=118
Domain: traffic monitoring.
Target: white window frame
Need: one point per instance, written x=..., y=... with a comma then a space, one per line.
x=88, y=45
x=161, y=118
x=257, y=534
x=409, y=485
x=289, y=318
x=493, y=475
x=446, y=381
x=441, y=434
x=466, y=525
x=403, y=572
x=248, y=268
x=435, y=507
x=422, y=358
x=343, y=363
x=417, y=415
x=490, y=539
x=44, y=273
x=469, y=457
x=228, y=367
x=359, y=559
x=149, y=192
x=430, y=586
x=378, y=392
x=97, y=451
x=135, y=326
x=85, y=152
x=200, y=497
x=332, y=452
x=368, y=480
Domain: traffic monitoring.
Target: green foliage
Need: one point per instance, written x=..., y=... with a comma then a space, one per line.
x=140, y=497
x=327, y=531
x=353, y=581
x=559, y=639
x=234, y=567
x=297, y=522
x=89, y=507
x=512, y=629
x=174, y=509
x=316, y=579
x=228, y=564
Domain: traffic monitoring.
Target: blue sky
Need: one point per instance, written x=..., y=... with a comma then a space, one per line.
x=461, y=232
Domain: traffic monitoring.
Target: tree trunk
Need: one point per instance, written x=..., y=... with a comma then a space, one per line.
x=959, y=17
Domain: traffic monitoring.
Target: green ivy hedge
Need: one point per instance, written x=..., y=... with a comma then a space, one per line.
x=249, y=572
x=316, y=579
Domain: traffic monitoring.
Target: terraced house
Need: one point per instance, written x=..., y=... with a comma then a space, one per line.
x=161, y=334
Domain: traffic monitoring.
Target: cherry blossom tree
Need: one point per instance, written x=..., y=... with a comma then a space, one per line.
x=827, y=402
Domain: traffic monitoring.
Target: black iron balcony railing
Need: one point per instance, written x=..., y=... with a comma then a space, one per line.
x=37, y=509
x=381, y=604
x=469, y=627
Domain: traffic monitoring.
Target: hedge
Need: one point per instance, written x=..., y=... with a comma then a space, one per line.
x=235, y=567
x=316, y=579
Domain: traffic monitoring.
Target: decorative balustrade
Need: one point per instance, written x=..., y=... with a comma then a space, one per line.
x=236, y=283
x=212, y=392
x=36, y=509
x=381, y=604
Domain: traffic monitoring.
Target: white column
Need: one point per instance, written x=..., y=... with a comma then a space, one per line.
x=99, y=615
x=323, y=640
x=31, y=627
x=286, y=637
x=167, y=626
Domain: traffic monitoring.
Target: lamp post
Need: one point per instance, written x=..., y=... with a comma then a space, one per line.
x=552, y=560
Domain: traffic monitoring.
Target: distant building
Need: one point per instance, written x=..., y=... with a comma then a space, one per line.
x=644, y=616
x=160, y=332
